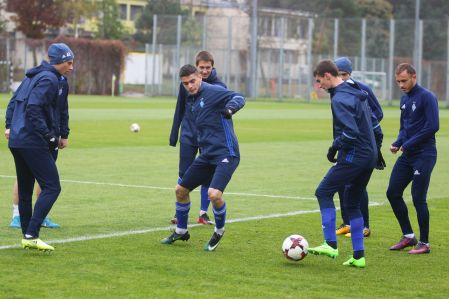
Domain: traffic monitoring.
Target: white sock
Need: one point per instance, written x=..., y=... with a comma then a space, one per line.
x=202, y=212
x=219, y=231
x=15, y=210
x=28, y=236
x=180, y=231
x=409, y=236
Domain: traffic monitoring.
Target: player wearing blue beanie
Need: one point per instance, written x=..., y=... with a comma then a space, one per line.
x=36, y=127
x=59, y=53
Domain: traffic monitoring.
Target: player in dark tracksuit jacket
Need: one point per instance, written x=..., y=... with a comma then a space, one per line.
x=357, y=156
x=63, y=131
x=418, y=124
x=212, y=109
x=188, y=148
x=344, y=66
x=34, y=117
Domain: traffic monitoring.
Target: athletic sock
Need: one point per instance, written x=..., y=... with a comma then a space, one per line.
x=358, y=254
x=182, y=214
x=180, y=231
x=15, y=210
x=220, y=216
x=357, y=234
x=328, y=220
x=205, y=202
x=332, y=244
x=409, y=236
x=219, y=231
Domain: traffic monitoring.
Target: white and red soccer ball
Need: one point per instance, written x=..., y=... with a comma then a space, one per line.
x=295, y=247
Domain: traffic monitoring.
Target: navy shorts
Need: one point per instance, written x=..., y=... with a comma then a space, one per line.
x=339, y=176
x=187, y=154
x=205, y=172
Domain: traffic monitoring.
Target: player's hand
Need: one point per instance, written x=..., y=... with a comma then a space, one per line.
x=331, y=154
x=52, y=140
x=63, y=142
x=227, y=112
x=7, y=131
x=394, y=149
x=380, y=160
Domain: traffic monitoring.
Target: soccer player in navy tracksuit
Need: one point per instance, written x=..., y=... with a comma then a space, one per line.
x=34, y=138
x=64, y=133
x=357, y=155
x=183, y=117
x=212, y=108
x=416, y=139
x=344, y=66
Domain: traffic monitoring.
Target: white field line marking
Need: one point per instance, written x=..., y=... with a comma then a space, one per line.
x=156, y=229
x=172, y=189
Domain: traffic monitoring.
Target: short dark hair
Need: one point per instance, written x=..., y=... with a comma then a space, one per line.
x=204, y=56
x=187, y=70
x=325, y=66
x=405, y=67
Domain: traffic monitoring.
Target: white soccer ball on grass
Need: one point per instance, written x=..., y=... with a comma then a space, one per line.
x=134, y=127
x=295, y=247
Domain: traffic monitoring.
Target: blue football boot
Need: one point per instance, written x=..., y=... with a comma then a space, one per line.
x=49, y=224
x=15, y=222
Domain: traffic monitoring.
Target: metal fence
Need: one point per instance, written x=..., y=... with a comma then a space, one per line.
x=286, y=50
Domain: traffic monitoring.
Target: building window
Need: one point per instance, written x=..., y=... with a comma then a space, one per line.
x=122, y=10
x=136, y=12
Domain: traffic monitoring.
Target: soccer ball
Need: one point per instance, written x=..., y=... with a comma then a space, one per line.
x=295, y=247
x=134, y=128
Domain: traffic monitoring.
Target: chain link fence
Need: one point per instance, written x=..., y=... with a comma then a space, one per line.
x=287, y=49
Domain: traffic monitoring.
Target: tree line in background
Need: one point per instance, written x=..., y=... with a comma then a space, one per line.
x=35, y=18
x=51, y=18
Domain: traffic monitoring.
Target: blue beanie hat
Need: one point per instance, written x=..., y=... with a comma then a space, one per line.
x=344, y=64
x=59, y=53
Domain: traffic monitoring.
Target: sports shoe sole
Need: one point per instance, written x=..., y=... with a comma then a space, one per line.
x=332, y=255
x=36, y=245
x=355, y=263
x=184, y=237
x=207, y=247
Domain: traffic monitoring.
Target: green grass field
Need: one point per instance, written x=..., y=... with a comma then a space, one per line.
x=118, y=198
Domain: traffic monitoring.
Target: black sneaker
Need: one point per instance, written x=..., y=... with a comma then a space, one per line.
x=204, y=219
x=175, y=237
x=213, y=242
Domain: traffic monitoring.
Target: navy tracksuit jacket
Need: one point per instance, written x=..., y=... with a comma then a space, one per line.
x=353, y=127
x=373, y=103
x=419, y=122
x=43, y=94
x=216, y=136
x=183, y=116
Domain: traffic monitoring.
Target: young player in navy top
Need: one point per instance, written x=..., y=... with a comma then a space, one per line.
x=33, y=118
x=212, y=108
x=355, y=143
x=416, y=140
x=344, y=66
x=183, y=117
